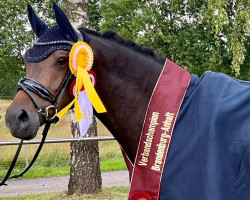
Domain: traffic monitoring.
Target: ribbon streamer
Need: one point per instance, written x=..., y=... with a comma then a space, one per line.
x=87, y=111
x=80, y=62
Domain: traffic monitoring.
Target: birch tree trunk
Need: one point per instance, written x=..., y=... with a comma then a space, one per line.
x=77, y=12
x=85, y=174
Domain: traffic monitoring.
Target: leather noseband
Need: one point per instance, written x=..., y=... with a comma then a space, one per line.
x=30, y=85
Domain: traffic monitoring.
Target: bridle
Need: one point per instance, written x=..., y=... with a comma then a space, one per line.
x=30, y=85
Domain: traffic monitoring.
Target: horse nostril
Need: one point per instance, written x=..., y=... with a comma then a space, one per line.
x=23, y=118
x=22, y=123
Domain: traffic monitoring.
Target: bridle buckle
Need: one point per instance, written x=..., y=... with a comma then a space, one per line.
x=47, y=112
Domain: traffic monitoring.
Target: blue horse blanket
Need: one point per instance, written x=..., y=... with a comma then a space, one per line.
x=209, y=154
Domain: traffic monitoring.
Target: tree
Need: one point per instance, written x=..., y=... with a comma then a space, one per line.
x=231, y=21
x=95, y=15
x=11, y=46
x=199, y=35
x=85, y=174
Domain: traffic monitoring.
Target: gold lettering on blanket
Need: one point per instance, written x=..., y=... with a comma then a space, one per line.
x=164, y=140
x=149, y=138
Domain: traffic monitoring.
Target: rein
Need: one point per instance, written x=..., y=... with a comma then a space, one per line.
x=30, y=85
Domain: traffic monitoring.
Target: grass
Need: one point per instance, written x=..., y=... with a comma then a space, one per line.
x=115, y=193
x=54, y=158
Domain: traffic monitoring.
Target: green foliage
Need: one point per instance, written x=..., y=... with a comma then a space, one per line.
x=230, y=20
x=94, y=14
x=11, y=44
x=199, y=35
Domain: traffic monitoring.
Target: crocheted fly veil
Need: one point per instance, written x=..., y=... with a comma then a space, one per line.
x=59, y=37
x=62, y=37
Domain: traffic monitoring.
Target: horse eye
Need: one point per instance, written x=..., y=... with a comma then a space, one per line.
x=62, y=61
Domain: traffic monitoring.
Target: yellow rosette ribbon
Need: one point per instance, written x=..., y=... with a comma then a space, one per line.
x=80, y=62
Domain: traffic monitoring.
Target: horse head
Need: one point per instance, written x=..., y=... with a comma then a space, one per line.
x=126, y=76
x=47, y=75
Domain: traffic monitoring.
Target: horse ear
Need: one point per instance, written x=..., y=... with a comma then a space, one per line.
x=64, y=24
x=37, y=24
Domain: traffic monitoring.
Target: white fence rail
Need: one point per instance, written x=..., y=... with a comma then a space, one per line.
x=27, y=154
x=57, y=140
x=56, y=151
x=53, y=140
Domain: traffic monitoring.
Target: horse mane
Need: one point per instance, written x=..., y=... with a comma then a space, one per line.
x=113, y=36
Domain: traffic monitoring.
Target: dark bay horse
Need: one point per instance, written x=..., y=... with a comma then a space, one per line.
x=209, y=155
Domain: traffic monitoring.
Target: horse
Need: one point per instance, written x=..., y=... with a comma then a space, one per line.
x=209, y=154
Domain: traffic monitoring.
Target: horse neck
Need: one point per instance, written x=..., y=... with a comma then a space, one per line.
x=125, y=81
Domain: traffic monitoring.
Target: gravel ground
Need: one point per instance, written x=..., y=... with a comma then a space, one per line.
x=57, y=184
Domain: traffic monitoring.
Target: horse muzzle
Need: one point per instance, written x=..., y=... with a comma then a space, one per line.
x=22, y=118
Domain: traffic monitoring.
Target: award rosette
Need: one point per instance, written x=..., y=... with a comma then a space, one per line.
x=81, y=59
